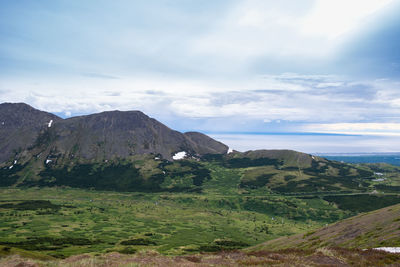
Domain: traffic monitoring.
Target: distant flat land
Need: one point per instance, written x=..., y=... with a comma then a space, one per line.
x=389, y=158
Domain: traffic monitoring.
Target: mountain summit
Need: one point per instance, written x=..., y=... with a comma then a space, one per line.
x=27, y=132
x=20, y=125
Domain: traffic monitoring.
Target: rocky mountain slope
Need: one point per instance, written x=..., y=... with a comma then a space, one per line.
x=26, y=132
x=20, y=126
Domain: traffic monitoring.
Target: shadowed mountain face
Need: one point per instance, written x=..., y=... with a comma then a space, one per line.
x=204, y=144
x=20, y=126
x=26, y=131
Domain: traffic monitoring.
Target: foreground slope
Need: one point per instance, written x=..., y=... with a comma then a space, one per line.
x=380, y=228
x=319, y=257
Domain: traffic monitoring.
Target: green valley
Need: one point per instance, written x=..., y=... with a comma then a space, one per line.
x=218, y=202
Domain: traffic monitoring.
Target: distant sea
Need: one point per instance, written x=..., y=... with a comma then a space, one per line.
x=348, y=148
x=390, y=158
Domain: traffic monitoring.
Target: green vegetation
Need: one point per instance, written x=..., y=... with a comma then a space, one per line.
x=363, y=203
x=9, y=175
x=218, y=202
x=61, y=222
x=144, y=175
x=379, y=228
x=280, y=172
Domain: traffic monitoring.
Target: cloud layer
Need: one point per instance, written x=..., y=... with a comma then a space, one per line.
x=287, y=102
x=237, y=66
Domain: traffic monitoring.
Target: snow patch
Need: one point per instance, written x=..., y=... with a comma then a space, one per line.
x=50, y=123
x=48, y=161
x=230, y=150
x=179, y=155
x=15, y=162
x=389, y=249
x=157, y=158
x=11, y=167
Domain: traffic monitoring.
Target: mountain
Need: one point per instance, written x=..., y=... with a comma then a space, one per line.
x=112, y=150
x=204, y=144
x=20, y=126
x=117, y=134
x=27, y=132
x=129, y=151
x=379, y=228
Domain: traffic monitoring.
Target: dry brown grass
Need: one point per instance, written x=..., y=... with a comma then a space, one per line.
x=288, y=257
x=372, y=229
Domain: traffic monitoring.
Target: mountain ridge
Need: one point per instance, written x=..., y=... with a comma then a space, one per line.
x=129, y=151
x=20, y=126
x=98, y=136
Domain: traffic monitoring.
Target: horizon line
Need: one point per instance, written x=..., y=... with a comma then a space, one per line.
x=280, y=133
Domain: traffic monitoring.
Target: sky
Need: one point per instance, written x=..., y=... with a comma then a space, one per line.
x=310, y=75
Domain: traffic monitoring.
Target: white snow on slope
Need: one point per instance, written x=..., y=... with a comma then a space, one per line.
x=230, y=150
x=179, y=155
x=50, y=123
x=390, y=249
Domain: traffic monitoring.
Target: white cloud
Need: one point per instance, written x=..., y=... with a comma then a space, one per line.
x=329, y=84
x=374, y=128
x=251, y=29
x=333, y=18
x=292, y=30
x=286, y=97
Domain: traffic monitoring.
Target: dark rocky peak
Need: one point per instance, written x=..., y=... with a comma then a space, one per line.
x=95, y=137
x=121, y=120
x=122, y=134
x=205, y=144
x=15, y=115
x=20, y=126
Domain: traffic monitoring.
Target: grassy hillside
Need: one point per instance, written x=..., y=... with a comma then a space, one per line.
x=63, y=222
x=208, y=204
x=380, y=228
x=263, y=171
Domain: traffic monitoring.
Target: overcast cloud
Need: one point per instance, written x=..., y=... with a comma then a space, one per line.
x=328, y=66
